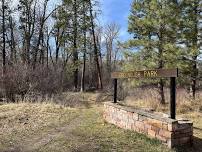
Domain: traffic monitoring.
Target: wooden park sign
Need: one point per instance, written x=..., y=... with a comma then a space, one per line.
x=157, y=73
x=146, y=74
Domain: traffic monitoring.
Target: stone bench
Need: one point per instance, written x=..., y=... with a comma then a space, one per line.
x=171, y=132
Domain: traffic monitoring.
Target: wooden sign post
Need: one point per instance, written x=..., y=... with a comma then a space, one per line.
x=158, y=73
x=115, y=90
x=173, y=97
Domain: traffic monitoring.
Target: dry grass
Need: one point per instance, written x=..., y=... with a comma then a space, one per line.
x=66, y=99
x=104, y=137
x=51, y=127
x=148, y=99
x=24, y=120
x=74, y=99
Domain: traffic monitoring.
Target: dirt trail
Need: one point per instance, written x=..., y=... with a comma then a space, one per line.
x=37, y=142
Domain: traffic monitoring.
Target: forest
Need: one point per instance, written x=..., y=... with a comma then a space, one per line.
x=47, y=49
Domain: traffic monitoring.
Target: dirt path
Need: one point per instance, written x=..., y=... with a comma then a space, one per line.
x=70, y=130
x=37, y=142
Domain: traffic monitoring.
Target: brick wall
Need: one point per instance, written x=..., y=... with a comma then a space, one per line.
x=169, y=131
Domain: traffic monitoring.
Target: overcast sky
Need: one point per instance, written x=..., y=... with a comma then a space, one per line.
x=116, y=11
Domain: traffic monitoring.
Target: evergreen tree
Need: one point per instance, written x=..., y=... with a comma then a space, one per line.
x=154, y=27
x=190, y=39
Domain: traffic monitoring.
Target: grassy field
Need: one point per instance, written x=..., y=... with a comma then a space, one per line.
x=45, y=127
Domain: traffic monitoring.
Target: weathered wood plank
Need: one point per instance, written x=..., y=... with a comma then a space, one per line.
x=157, y=73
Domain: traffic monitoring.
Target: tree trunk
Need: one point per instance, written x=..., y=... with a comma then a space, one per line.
x=12, y=44
x=84, y=51
x=57, y=45
x=75, y=53
x=40, y=37
x=27, y=53
x=96, y=58
x=195, y=48
x=194, y=77
x=47, y=48
x=83, y=70
x=42, y=54
x=161, y=65
x=100, y=53
x=4, y=38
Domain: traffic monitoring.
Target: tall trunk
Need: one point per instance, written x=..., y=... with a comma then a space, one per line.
x=99, y=52
x=161, y=65
x=96, y=59
x=75, y=53
x=47, y=49
x=110, y=54
x=194, y=77
x=109, y=44
x=42, y=54
x=84, y=51
x=12, y=44
x=195, y=46
x=27, y=37
x=4, y=37
x=4, y=46
x=29, y=23
x=40, y=37
x=83, y=72
x=107, y=57
x=27, y=56
x=91, y=73
x=115, y=58
x=57, y=44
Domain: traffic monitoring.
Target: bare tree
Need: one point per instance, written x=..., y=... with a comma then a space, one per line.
x=42, y=20
x=111, y=34
x=27, y=11
x=4, y=36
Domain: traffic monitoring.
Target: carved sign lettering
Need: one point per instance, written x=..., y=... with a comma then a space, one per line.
x=159, y=73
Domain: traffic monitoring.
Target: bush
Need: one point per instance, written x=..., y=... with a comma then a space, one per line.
x=21, y=80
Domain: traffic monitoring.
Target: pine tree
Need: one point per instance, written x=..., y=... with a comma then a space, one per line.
x=85, y=27
x=154, y=27
x=191, y=38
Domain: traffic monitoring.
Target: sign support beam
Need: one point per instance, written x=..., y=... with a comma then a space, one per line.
x=173, y=98
x=115, y=90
